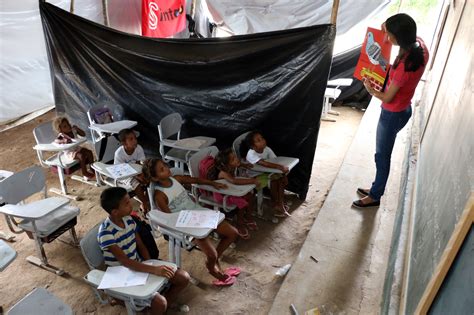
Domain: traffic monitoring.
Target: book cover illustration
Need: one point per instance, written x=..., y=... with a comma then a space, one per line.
x=374, y=58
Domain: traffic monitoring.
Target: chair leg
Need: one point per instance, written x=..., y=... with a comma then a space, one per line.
x=75, y=240
x=43, y=261
x=177, y=252
x=171, y=255
x=62, y=182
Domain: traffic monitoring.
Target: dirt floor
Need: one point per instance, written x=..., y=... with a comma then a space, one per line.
x=270, y=248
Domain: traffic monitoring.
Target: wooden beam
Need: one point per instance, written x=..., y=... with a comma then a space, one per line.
x=335, y=8
x=105, y=12
x=452, y=248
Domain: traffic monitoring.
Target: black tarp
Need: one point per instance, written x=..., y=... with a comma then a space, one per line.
x=273, y=82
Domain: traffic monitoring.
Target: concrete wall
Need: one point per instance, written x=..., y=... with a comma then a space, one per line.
x=445, y=167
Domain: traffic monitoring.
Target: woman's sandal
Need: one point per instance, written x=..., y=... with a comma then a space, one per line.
x=233, y=271
x=224, y=283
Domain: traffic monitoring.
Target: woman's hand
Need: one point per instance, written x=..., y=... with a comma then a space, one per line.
x=368, y=87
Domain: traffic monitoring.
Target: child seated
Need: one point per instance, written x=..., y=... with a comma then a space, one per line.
x=122, y=245
x=132, y=152
x=257, y=152
x=66, y=134
x=170, y=196
x=226, y=164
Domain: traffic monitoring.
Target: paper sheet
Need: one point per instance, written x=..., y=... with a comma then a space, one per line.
x=198, y=219
x=120, y=276
x=121, y=170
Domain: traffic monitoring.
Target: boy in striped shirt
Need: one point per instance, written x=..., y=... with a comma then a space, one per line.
x=122, y=245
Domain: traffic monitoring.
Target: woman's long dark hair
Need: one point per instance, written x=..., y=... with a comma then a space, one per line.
x=403, y=27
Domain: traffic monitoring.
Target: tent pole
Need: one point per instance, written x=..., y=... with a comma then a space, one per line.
x=105, y=12
x=335, y=8
x=71, y=7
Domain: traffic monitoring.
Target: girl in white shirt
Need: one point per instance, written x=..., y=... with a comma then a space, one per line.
x=259, y=153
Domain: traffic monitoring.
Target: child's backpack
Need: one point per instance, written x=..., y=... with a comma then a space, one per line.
x=103, y=116
x=208, y=170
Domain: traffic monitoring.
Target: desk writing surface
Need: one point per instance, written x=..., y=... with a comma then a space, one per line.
x=189, y=144
x=114, y=127
x=59, y=147
x=7, y=255
x=289, y=162
x=35, y=209
x=231, y=190
x=102, y=169
x=168, y=221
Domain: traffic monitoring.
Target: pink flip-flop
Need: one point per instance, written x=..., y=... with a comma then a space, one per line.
x=224, y=283
x=233, y=271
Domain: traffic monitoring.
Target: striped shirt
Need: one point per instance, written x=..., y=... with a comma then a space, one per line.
x=112, y=234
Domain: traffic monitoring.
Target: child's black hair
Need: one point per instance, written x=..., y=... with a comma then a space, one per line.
x=110, y=198
x=221, y=164
x=149, y=167
x=122, y=135
x=247, y=144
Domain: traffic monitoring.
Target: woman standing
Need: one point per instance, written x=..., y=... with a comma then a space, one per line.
x=403, y=78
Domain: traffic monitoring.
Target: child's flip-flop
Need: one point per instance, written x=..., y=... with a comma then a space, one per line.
x=224, y=283
x=280, y=214
x=243, y=232
x=233, y=271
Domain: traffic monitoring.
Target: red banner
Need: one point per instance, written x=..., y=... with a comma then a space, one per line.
x=374, y=59
x=163, y=18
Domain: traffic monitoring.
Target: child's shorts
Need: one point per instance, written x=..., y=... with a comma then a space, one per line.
x=239, y=202
x=130, y=183
x=265, y=179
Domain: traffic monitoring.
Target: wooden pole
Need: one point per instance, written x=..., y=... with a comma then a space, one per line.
x=105, y=12
x=71, y=7
x=335, y=8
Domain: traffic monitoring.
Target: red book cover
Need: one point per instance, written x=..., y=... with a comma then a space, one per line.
x=374, y=60
x=163, y=18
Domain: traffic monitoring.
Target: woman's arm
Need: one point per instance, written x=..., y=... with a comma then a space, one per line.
x=237, y=181
x=385, y=97
x=184, y=179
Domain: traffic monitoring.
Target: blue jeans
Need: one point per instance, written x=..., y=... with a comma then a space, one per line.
x=390, y=123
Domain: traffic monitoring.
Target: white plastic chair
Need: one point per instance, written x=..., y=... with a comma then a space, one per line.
x=43, y=220
x=207, y=198
x=178, y=152
x=178, y=237
x=175, y=239
x=331, y=93
x=45, y=136
x=136, y=298
x=287, y=161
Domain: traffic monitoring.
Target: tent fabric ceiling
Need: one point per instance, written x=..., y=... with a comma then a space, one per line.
x=252, y=16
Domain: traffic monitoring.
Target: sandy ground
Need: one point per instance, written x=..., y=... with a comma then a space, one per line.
x=273, y=246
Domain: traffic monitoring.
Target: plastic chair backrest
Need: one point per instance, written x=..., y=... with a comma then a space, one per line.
x=22, y=185
x=197, y=157
x=170, y=125
x=236, y=144
x=45, y=133
x=90, y=248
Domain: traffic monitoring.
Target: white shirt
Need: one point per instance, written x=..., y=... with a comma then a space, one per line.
x=253, y=156
x=122, y=157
